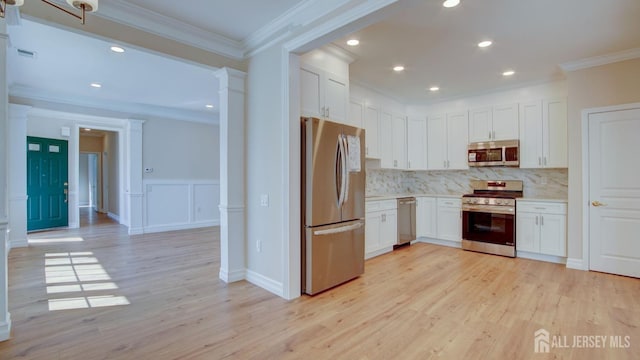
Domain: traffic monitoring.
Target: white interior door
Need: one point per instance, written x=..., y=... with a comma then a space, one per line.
x=614, y=190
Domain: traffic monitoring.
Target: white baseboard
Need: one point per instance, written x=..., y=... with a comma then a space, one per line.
x=5, y=329
x=577, y=264
x=541, y=257
x=19, y=243
x=449, y=243
x=114, y=217
x=378, y=252
x=265, y=283
x=175, y=227
x=136, y=231
x=232, y=276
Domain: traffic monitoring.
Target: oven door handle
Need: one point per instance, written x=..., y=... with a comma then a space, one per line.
x=507, y=211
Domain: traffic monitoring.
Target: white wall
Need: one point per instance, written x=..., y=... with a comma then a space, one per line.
x=181, y=150
x=368, y=95
x=264, y=164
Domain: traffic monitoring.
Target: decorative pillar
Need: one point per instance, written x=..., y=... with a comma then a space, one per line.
x=17, y=175
x=232, y=174
x=5, y=317
x=135, y=192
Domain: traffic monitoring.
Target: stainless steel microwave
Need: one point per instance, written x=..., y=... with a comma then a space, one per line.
x=495, y=153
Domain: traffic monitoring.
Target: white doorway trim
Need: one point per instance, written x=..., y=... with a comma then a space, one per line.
x=585, y=176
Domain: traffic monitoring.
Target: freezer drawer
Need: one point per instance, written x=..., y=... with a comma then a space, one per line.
x=334, y=254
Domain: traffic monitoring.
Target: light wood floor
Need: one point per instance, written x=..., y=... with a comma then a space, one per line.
x=420, y=302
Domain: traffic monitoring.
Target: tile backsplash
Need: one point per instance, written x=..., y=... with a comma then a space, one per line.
x=538, y=183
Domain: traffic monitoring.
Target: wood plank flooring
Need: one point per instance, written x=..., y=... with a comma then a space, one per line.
x=158, y=296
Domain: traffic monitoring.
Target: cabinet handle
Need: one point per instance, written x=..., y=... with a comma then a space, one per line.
x=541, y=220
x=444, y=164
x=395, y=163
x=448, y=165
x=328, y=112
x=539, y=160
x=367, y=150
x=489, y=135
x=384, y=217
x=536, y=219
x=494, y=135
x=545, y=161
x=409, y=164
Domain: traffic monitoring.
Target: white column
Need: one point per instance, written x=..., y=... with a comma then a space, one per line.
x=5, y=317
x=135, y=192
x=232, y=181
x=18, y=175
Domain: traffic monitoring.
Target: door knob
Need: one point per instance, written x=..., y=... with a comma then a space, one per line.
x=597, y=203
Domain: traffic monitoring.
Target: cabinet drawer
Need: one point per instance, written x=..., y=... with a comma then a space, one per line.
x=380, y=205
x=542, y=207
x=450, y=202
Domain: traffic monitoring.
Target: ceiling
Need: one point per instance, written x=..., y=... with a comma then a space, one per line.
x=436, y=45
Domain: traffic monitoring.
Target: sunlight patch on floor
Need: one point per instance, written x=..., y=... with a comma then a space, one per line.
x=75, y=274
x=55, y=240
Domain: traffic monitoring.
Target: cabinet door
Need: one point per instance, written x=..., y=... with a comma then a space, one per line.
x=389, y=229
x=449, y=223
x=426, y=225
x=531, y=135
x=457, y=140
x=554, y=129
x=399, y=132
x=416, y=143
x=373, y=221
x=553, y=234
x=386, y=142
x=505, y=122
x=436, y=142
x=311, y=91
x=371, y=125
x=356, y=113
x=527, y=232
x=336, y=97
x=480, y=124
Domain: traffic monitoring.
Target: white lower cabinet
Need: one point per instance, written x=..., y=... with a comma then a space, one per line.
x=381, y=227
x=426, y=219
x=541, y=227
x=449, y=219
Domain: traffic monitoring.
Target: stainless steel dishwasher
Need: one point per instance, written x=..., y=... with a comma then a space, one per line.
x=406, y=220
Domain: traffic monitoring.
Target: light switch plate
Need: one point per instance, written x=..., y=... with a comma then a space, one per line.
x=264, y=200
x=148, y=170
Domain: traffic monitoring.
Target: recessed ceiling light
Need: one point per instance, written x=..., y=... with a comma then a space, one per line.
x=450, y=3
x=508, y=73
x=398, y=68
x=87, y=129
x=117, y=49
x=434, y=88
x=353, y=42
x=485, y=43
x=96, y=85
x=209, y=106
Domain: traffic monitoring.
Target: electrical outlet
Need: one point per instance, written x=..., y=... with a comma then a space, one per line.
x=259, y=245
x=148, y=170
x=264, y=200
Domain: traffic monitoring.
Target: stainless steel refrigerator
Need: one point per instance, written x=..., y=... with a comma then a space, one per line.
x=333, y=186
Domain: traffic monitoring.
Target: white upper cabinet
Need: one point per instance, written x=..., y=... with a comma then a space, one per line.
x=386, y=140
x=437, y=142
x=371, y=125
x=399, y=141
x=457, y=140
x=493, y=123
x=416, y=143
x=356, y=113
x=543, y=134
x=447, y=140
x=323, y=94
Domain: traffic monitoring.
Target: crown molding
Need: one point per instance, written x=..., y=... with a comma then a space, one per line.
x=26, y=95
x=340, y=53
x=125, y=13
x=601, y=60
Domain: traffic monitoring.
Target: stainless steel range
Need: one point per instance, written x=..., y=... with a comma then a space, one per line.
x=489, y=217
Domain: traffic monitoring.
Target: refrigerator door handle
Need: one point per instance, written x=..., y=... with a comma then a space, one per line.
x=346, y=169
x=342, y=151
x=340, y=229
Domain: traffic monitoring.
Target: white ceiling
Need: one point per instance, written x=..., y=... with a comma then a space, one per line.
x=436, y=45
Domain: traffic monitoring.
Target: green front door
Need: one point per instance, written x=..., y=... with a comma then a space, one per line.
x=47, y=183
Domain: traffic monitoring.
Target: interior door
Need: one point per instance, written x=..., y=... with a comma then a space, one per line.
x=614, y=191
x=47, y=183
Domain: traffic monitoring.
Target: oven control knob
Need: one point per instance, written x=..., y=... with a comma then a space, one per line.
x=500, y=202
x=486, y=201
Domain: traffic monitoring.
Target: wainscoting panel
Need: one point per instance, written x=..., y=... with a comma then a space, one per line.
x=180, y=204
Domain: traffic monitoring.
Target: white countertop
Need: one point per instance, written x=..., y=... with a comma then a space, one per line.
x=452, y=196
x=542, y=200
